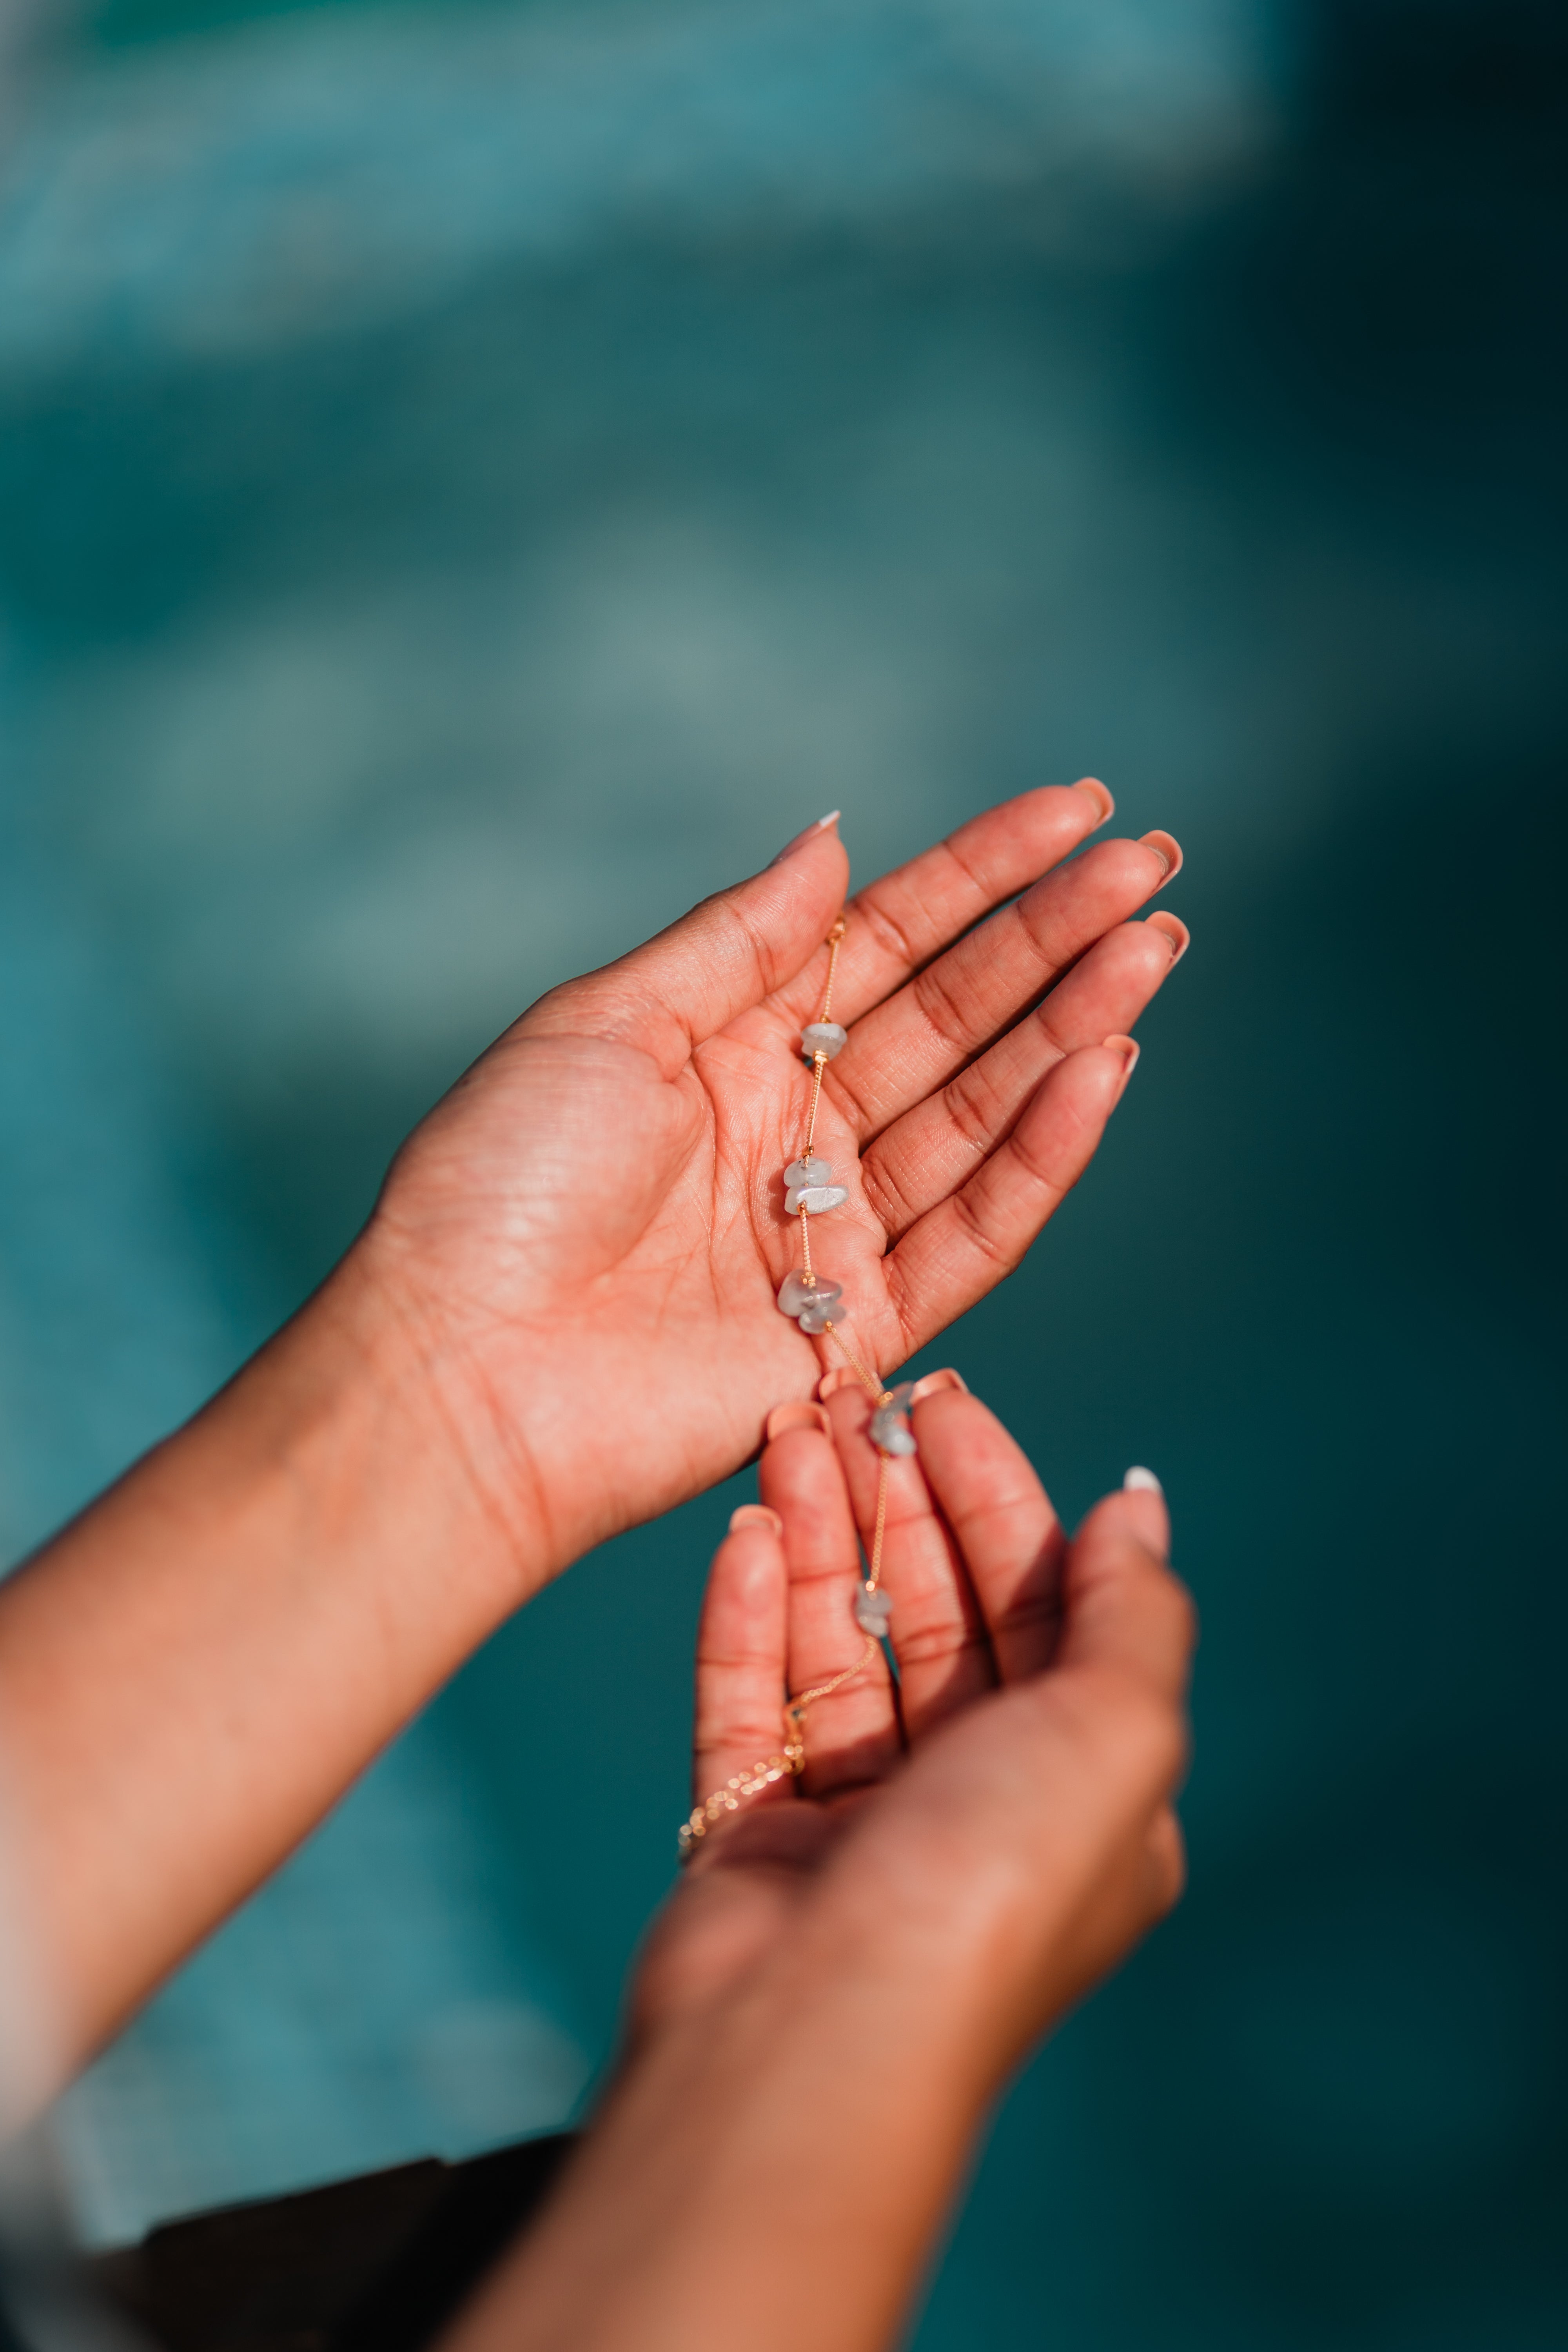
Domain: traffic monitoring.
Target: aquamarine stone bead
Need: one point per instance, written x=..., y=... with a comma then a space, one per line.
x=815, y=1199
x=815, y=1320
x=872, y=1611
x=890, y=1431
x=824, y=1037
x=795, y=1294
x=808, y=1172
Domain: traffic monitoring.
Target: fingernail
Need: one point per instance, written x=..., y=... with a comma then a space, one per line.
x=755, y=1515
x=840, y=1377
x=935, y=1383
x=801, y=1415
x=1129, y=1048
x=1139, y=1481
x=1174, y=929
x=822, y=826
x=1097, y=791
x=1167, y=849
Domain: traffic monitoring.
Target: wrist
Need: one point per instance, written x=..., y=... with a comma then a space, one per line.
x=394, y=1341
x=193, y=1672
x=789, y=2150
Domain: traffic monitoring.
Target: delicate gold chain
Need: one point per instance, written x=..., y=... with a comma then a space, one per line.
x=819, y=1063
x=794, y=1709
x=834, y=941
x=819, y=1060
x=789, y=1762
x=873, y=1567
x=868, y=1381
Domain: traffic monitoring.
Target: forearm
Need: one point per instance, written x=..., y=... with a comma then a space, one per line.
x=195, y=1669
x=770, y=2174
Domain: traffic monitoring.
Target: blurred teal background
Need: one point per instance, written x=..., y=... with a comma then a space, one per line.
x=475, y=478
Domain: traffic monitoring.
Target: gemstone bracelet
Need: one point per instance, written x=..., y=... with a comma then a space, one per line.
x=816, y=1303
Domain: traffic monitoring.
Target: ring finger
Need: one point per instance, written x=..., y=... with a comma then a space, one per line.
x=937, y=1631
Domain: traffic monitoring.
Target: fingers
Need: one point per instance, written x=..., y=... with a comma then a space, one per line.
x=706, y=970
x=937, y=1631
x=962, y=1248
x=851, y=1736
x=1124, y=1612
x=902, y=920
x=1009, y=1536
x=935, y=1146
x=915, y=1041
x=740, y=1653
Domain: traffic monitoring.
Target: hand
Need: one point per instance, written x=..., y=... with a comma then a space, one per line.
x=561, y=1320
x=587, y=1235
x=1014, y=1785
x=853, y=1963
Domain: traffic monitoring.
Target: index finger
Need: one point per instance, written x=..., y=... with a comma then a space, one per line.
x=903, y=919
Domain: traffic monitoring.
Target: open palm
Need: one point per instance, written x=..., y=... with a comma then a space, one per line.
x=588, y=1233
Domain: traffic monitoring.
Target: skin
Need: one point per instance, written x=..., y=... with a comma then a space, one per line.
x=560, y=1321
x=855, y=1963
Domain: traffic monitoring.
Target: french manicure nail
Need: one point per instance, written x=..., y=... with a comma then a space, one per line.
x=755, y=1515
x=1139, y=1481
x=935, y=1383
x=1167, y=849
x=1129, y=1048
x=1174, y=929
x=801, y=1415
x=822, y=826
x=1097, y=791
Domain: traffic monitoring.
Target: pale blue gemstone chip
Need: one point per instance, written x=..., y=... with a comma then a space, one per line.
x=890, y=1431
x=815, y=1199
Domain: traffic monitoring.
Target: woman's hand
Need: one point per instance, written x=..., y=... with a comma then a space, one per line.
x=1016, y=1777
x=587, y=1235
x=853, y=1964
x=560, y=1320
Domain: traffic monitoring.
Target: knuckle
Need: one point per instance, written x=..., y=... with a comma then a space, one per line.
x=975, y=1111
x=948, y=1008
x=976, y=1231
x=886, y=1199
x=895, y=940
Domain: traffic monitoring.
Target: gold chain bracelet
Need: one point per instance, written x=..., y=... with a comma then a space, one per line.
x=815, y=1303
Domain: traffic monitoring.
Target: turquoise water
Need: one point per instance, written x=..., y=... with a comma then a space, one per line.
x=472, y=480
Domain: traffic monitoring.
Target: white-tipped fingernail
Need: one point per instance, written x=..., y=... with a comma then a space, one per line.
x=1139, y=1481
x=822, y=826
x=755, y=1515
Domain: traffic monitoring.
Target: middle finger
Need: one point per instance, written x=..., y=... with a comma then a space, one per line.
x=937, y=1634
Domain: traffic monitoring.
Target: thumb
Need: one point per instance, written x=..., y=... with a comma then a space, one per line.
x=1122, y=1609
x=725, y=956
